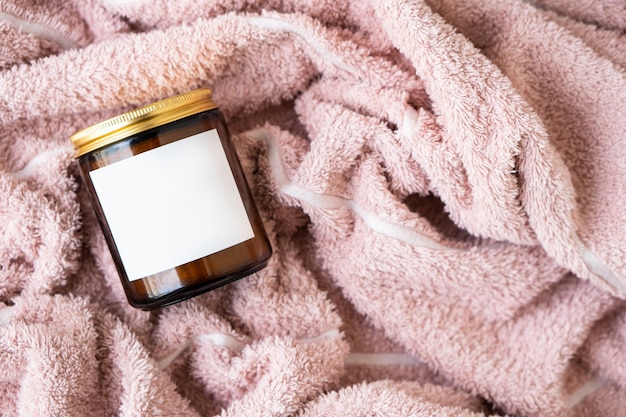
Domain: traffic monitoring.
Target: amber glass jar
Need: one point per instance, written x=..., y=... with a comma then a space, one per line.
x=172, y=200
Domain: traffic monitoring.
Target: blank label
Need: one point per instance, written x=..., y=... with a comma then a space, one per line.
x=172, y=205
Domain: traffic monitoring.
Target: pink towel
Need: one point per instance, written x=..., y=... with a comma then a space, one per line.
x=442, y=181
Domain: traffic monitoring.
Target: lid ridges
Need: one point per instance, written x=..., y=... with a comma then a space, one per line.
x=181, y=105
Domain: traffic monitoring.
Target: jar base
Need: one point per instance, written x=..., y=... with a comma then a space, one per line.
x=187, y=292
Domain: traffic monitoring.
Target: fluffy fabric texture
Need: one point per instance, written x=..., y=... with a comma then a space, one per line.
x=442, y=182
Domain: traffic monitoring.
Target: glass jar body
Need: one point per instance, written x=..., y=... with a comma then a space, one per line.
x=176, y=224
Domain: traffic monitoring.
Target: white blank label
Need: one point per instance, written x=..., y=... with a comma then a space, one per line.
x=172, y=205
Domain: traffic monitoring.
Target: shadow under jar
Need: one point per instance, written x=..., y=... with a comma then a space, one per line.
x=172, y=200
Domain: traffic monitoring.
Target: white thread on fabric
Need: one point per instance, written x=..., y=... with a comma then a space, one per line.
x=232, y=343
x=361, y=358
x=584, y=391
x=601, y=270
x=5, y=315
x=121, y=2
x=38, y=30
x=282, y=26
x=329, y=334
x=409, y=122
x=324, y=201
x=382, y=359
x=236, y=346
x=217, y=339
x=32, y=166
x=220, y=339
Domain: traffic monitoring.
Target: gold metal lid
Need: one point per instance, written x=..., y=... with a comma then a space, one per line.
x=142, y=119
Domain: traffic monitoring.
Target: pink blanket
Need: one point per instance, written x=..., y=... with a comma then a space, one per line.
x=443, y=183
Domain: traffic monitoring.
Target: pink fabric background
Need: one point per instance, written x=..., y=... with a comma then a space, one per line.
x=442, y=181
